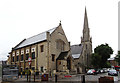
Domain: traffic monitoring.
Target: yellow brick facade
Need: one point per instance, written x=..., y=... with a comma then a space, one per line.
x=46, y=52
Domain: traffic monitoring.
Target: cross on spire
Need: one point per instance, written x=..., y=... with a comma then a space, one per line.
x=60, y=23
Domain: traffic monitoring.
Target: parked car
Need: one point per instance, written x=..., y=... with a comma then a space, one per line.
x=108, y=69
x=113, y=72
x=98, y=71
x=91, y=72
x=104, y=70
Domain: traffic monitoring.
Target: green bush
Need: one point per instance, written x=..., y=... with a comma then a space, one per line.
x=28, y=72
x=23, y=73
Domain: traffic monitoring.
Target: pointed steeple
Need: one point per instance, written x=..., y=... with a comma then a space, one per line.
x=86, y=35
x=85, y=19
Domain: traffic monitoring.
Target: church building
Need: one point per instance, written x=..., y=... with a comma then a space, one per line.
x=50, y=51
x=82, y=52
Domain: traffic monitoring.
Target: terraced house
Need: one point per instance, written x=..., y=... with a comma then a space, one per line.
x=49, y=51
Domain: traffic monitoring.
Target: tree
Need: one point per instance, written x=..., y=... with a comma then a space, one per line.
x=117, y=58
x=96, y=60
x=100, y=56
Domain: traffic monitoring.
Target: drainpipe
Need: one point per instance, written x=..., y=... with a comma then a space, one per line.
x=48, y=41
x=36, y=57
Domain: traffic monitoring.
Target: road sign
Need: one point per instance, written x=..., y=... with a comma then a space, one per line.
x=29, y=63
x=29, y=60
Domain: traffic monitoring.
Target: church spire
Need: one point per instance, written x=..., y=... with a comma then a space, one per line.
x=86, y=35
x=85, y=19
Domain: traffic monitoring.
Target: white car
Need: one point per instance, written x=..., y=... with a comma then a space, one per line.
x=91, y=72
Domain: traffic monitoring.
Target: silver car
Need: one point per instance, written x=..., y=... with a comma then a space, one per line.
x=113, y=72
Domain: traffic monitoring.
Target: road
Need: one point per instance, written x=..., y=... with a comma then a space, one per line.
x=89, y=78
x=73, y=79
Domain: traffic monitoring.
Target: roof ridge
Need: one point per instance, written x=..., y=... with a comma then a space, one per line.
x=19, y=44
x=41, y=33
x=34, y=35
x=36, y=38
x=51, y=29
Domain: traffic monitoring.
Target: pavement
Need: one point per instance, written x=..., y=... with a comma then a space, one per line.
x=61, y=79
x=66, y=79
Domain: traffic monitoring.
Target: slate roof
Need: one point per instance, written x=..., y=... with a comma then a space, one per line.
x=76, y=50
x=75, y=56
x=34, y=39
x=111, y=59
x=62, y=55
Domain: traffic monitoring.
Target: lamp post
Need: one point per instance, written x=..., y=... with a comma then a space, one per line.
x=29, y=62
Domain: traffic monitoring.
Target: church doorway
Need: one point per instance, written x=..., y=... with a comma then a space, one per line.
x=69, y=63
x=78, y=71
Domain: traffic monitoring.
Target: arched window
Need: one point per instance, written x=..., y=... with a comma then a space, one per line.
x=60, y=45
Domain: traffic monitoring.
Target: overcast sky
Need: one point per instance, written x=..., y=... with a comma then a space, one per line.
x=119, y=26
x=21, y=19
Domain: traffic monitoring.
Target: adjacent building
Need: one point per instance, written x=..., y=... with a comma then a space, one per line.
x=82, y=52
x=112, y=62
